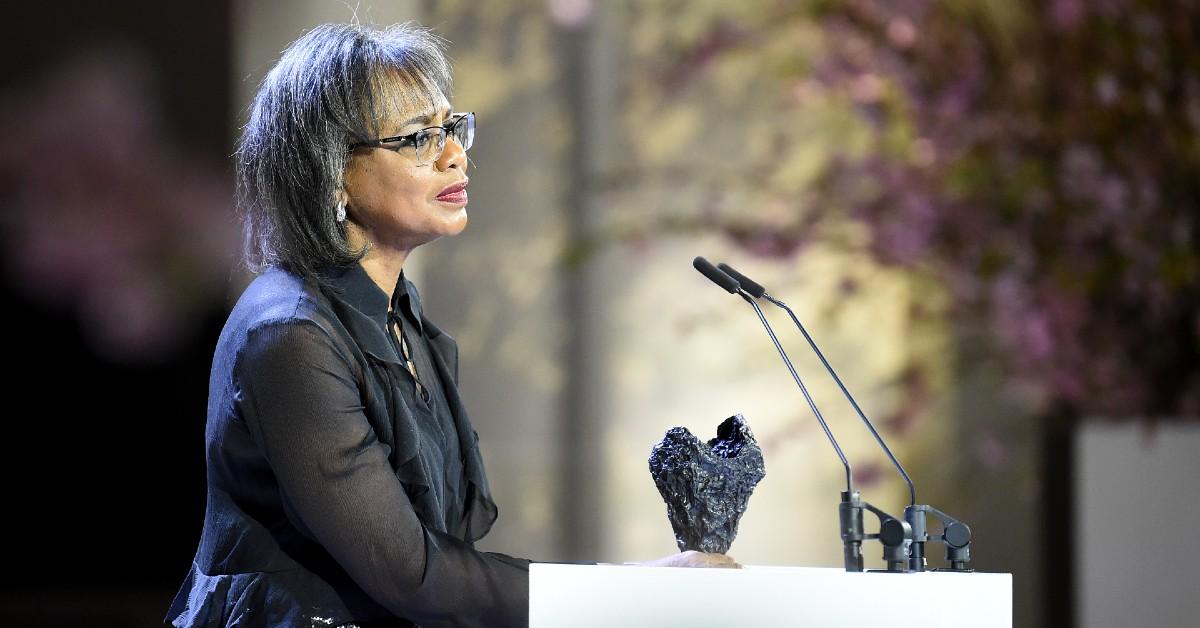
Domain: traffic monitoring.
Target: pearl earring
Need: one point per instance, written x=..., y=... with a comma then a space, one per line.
x=341, y=212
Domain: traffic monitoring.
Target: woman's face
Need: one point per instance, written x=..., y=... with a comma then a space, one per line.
x=399, y=203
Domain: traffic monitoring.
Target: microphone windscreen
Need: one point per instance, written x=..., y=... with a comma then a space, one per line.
x=721, y=279
x=747, y=284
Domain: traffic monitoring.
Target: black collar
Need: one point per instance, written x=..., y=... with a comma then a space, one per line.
x=366, y=307
x=357, y=289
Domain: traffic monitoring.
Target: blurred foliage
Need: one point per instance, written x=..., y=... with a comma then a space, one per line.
x=1036, y=162
x=107, y=214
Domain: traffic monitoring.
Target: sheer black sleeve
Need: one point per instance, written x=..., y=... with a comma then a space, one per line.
x=302, y=405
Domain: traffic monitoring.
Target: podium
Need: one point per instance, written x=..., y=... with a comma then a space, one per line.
x=602, y=596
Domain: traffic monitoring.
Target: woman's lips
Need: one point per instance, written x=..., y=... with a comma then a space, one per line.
x=455, y=194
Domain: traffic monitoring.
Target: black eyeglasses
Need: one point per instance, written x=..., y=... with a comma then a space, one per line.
x=428, y=143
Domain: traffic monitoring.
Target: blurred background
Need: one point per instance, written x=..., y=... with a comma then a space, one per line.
x=986, y=212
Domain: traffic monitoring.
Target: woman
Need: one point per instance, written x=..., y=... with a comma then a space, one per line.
x=345, y=483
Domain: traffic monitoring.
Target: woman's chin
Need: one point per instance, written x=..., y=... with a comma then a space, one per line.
x=459, y=221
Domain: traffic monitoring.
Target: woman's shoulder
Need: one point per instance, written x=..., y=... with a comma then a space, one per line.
x=277, y=294
x=276, y=297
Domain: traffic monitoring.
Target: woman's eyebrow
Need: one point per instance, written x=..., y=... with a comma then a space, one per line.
x=421, y=119
x=425, y=119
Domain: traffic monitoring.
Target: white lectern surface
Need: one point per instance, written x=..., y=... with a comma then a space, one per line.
x=584, y=596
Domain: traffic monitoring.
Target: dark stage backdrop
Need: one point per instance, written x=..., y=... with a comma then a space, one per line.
x=103, y=463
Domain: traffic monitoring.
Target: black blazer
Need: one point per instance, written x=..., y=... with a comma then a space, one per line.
x=320, y=510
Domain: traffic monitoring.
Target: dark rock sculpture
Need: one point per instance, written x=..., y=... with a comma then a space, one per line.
x=707, y=486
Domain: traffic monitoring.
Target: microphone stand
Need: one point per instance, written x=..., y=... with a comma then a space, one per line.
x=910, y=549
x=850, y=511
x=894, y=534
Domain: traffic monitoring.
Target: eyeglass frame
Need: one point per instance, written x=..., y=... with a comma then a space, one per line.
x=409, y=139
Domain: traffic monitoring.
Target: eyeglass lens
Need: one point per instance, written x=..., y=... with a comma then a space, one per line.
x=430, y=144
x=464, y=130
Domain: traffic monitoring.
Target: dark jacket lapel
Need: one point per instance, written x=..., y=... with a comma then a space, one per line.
x=481, y=511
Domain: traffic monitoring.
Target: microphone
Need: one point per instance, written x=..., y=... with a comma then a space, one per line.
x=732, y=286
x=729, y=284
x=758, y=291
x=850, y=511
x=955, y=534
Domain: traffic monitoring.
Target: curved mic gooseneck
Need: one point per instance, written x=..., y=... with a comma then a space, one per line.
x=904, y=539
x=756, y=290
x=732, y=286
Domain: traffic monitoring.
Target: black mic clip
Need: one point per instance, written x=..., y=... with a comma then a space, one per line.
x=955, y=534
x=896, y=535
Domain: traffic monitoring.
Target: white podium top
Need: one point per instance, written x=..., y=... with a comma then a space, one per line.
x=602, y=596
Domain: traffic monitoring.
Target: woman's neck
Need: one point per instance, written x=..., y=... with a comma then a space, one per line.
x=384, y=270
x=382, y=263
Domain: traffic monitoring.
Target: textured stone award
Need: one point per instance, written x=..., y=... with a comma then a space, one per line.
x=707, y=485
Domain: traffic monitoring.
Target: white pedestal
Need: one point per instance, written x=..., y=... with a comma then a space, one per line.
x=603, y=596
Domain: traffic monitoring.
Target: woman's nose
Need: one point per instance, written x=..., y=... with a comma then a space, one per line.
x=453, y=156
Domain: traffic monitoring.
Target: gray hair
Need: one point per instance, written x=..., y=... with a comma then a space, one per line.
x=336, y=85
